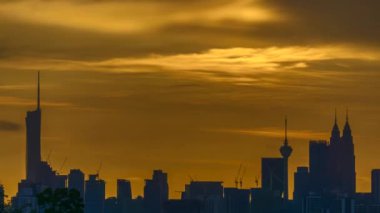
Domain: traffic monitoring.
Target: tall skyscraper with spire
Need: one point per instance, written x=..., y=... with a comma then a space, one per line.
x=286, y=151
x=342, y=160
x=33, y=140
x=332, y=165
x=335, y=132
x=38, y=171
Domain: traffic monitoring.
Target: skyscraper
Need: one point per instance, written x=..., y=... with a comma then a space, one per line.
x=124, y=190
x=94, y=195
x=156, y=191
x=286, y=151
x=332, y=166
x=33, y=140
x=209, y=193
x=272, y=175
x=124, y=195
x=236, y=200
x=375, y=185
x=342, y=175
x=38, y=171
x=301, y=183
x=301, y=188
x=319, y=167
x=76, y=181
x=1, y=198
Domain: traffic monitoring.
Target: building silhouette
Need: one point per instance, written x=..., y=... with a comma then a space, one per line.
x=124, y=195
x=38, y=171
x=342, y=176
x=332, y=165
x=33, y=141
x=237, y=200
x=76, y=181
x=156, y=191
x=182, y=206
x=209, y=193
x=272, y=175
x=286, y=151
x=375, y=185
x=111, y=205
x=301, y=187
x=2, y=197
x=39, y=174
x=327, y=185
x=124, y=190
x=94, y=195
x=319, y=166
x=265, y=201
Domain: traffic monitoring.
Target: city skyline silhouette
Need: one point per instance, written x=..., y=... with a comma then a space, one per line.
x=228, y=183
x=135, y=93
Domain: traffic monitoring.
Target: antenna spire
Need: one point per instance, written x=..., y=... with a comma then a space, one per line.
x=336, y=119
x=38, y=91
x=286, y=130
x=347, y=115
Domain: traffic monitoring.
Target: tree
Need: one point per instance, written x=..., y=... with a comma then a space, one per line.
x=60, y=201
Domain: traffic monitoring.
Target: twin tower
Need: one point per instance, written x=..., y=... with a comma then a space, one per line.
x=332, y=165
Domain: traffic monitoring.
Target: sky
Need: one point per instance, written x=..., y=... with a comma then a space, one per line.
x=196, y=88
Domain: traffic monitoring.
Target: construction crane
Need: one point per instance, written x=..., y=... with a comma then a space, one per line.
x=100, y=167
x=242, y=176
x=62, y=165
x=237, y=176
x=257, y=182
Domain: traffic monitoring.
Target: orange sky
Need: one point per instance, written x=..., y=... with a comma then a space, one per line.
x=194, y=88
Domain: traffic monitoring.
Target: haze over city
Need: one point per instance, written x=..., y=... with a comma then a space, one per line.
x=195, y=88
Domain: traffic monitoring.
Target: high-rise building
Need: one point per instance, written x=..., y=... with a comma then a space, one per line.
x=265, y=201
x=210, y=193
x=375, y=185
x=37, y=171
x=318, y=162
x=236, y=200
x=33, y=141
x=272, y=175
x=111, y=205
x=301, y=188
x=124, y=190
x=94, y=195
x=332, y=166
x=301, y=183
x=76, y=181
x=182, y=206
x=286, y=151
x=342, y=175
x=124, y=195
x=156, y=191
x=2, y=195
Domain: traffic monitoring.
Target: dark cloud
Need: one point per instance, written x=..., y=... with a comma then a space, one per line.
x=331, y=21
x=8, y=126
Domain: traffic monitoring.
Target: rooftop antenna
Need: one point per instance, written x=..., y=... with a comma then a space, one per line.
x=257, y=182
x=286, y=130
